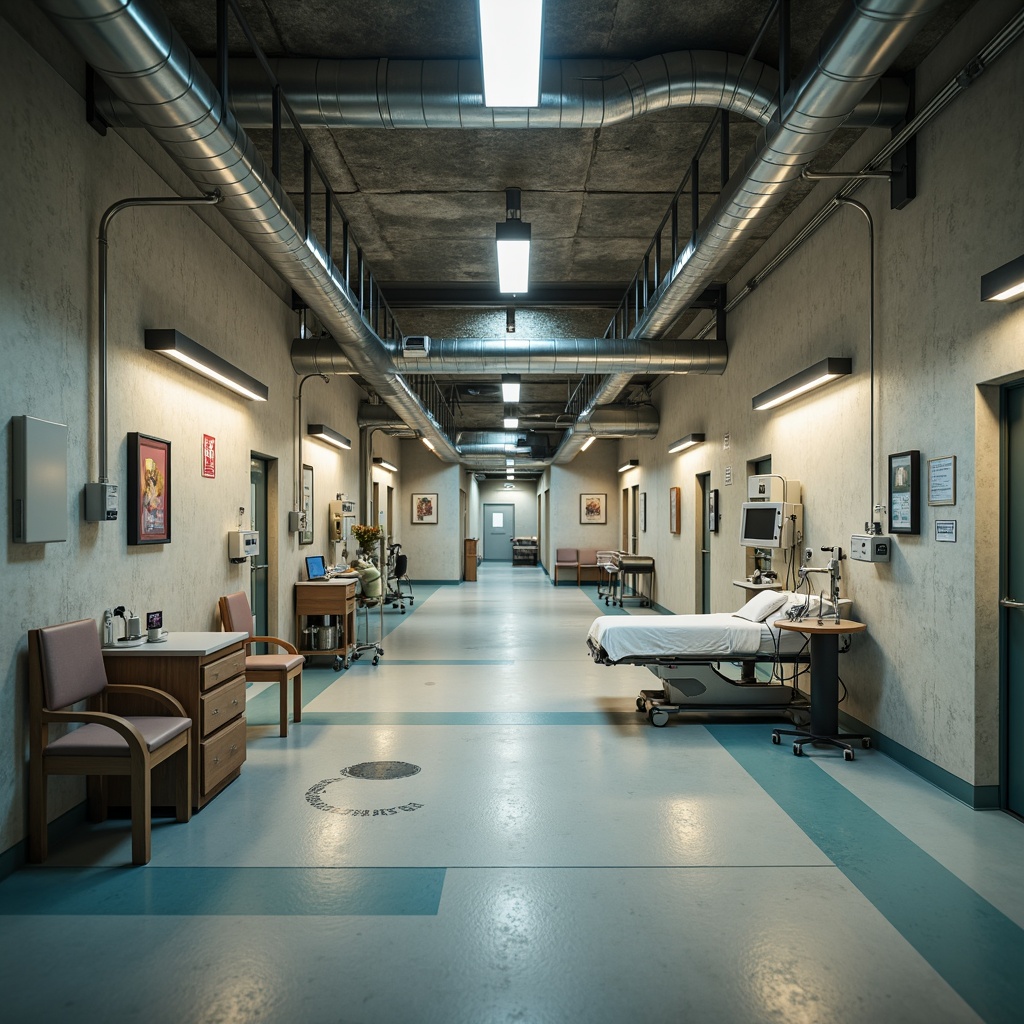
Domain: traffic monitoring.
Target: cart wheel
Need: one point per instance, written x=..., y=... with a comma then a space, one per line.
x=658, y=717
x=376, y=658
x=411, y=599
x=865, y=742
x=395, y=605
x=338, y=664
x=798, y=750
x=847, y=755
x=403, y=611
x=776, y=738
x=356, y=656
x=641, y=704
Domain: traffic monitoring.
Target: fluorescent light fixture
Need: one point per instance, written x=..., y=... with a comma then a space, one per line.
x=685, y=442
x=510, y=462
x=631, y=464
x=510, y=475
x=175, y=345
x=384, y=464
x=1004, y=283
x=325, y=433
x=510, y=386
x=428, y=443
x=802, y=382
x=511, y=422
x=513, y=245
x=589, y=441
x=510, y=46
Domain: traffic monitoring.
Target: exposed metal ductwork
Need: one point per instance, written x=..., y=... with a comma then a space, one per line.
x=575, y=93
x=570, y=356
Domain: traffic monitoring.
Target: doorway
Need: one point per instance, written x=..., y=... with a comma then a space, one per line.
x=1012, y=603
x=499, y=529
x=704, y=543
x=259, y=472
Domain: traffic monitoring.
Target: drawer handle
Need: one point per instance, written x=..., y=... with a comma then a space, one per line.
x=234, y=749
x=216, y=760
x=235, y=701
x=216, y=711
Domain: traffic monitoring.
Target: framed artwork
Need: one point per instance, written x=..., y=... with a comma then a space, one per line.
x=643, y=511
x=149, y=490
x=209, y=456
x=905, y=492
x=306, y=535
x=594, y=509
x=424, y=508
x=942, y=481
x=673, y=510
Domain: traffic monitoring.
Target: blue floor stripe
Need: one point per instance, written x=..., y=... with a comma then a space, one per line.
x=208, y=892
x=437, y=661
x=472, y=718
x=977, y=949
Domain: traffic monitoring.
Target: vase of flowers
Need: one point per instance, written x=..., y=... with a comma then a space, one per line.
x=368, y=537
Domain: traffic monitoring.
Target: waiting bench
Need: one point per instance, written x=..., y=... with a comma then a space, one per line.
x=565, y=558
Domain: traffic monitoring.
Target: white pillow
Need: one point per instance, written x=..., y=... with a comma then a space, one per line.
x=761, y=605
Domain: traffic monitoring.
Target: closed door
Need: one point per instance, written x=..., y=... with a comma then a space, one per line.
x=704, y=528
x=1013, y=604
x=259, y=469
x=499, y=529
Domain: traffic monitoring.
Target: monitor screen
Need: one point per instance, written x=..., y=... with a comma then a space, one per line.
x=761, y=524
x=315, y=568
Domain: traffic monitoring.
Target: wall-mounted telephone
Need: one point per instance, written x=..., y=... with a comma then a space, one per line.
x=335, y=523
x=713, y=510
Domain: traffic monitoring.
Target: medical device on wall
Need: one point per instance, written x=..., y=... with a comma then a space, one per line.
x=243, y=544
x=39, y=480
x=866, y=547
x=772, y=487
x=771, y=524
x=335, y=521
x=713, y=517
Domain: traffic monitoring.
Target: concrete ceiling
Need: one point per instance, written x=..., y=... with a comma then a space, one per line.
x=422, y=204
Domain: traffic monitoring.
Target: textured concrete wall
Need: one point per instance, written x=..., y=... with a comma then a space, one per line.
x=926, y=672
x=433, y=548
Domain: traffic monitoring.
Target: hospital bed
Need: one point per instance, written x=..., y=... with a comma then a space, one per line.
x=712, y=663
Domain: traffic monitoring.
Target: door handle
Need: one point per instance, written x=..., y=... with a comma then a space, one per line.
x=253, y=568
x=1008, y=602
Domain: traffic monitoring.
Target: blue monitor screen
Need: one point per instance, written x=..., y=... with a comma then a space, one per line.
x=315, y=567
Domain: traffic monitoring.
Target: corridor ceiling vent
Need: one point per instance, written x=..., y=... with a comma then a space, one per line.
x=512, y=238
x=510, y=48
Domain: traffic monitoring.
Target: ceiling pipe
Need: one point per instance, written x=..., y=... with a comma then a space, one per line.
x=135, y=49
x=509, y=354
x=575, y=93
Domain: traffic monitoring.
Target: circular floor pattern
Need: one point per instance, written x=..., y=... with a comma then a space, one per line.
x=377, y=771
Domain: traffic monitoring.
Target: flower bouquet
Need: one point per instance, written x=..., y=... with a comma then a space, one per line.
x=368, y=537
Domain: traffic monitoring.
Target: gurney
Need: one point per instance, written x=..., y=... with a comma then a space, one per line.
x=709, y=663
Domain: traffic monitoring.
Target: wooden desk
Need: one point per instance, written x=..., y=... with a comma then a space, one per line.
x=824, y=727
x=206, y=672
x=328, y=597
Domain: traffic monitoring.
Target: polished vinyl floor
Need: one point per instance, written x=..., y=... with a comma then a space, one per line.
x=481, y=829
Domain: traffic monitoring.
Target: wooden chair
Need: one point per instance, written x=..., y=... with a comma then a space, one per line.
x=236, y=617
x=65, y=668
x=565, y=558
x=587, y=562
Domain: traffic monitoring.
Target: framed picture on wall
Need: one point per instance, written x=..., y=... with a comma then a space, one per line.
x=942, y=481
x=594, y=509
x=673, y=510
x=149, y=490
x=905, y=492
x=306, y=535
x=424, y=508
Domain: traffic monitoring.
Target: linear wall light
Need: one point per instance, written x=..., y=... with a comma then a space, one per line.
x=1005, y=283
x=176, y=345
x=510, y=462
x=384, y=464
x=511, y=422
x=813, y=377
x=512, y=238
x=510, y=386
x=428, y=443
x=510, y=47
x=631, y=464
x=324, y=433
x=589, y=441
x=685, y=442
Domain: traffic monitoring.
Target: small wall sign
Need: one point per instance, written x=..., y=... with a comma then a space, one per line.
x=209, y=456
x=945, y=530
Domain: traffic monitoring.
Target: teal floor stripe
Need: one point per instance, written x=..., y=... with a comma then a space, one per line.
x=473, y=718
x=434, y=661
x=209, y=892
x=973, y=946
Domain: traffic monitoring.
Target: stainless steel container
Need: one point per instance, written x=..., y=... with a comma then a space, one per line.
x=327, y=638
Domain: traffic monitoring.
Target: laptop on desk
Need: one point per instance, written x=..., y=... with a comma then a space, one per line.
x=315, y=568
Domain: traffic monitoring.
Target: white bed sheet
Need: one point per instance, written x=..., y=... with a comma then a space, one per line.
x=718, y=635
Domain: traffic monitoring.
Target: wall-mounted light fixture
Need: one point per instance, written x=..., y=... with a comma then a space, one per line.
x=176, y=345
x=512, y=238
x=510, y=48
x=384, y=464
x=1005, y=283
x=428, y=443
x=511, y=422
x=631, y=464
x=510, y=320
x=589, y=441
x=806, y=380
x=685, y=442
x=324, y=433
x=510, y=462
x=510, y=385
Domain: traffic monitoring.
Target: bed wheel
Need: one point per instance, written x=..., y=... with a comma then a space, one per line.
x=865, y=742
x=658, y=717
x=338, y=664
x=798, y=750
x=847, y=755
x=641, y=704
x=776, y=738
x=376, y=658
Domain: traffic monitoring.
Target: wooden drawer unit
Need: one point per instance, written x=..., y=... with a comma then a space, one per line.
x=206, y=672
x=221, y=705
x=223, y=669
x=222, y=755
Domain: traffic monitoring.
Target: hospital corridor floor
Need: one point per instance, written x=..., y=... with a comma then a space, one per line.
x=481, y=829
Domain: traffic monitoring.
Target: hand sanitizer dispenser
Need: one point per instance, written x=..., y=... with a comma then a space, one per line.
x=243, y=544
